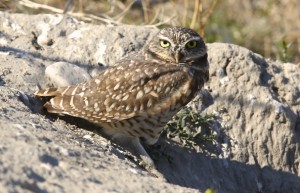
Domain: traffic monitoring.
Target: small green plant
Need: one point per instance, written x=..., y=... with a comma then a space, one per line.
x=191, y=128
x=283, y=47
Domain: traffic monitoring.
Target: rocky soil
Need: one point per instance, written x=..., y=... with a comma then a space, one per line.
x=256, y=103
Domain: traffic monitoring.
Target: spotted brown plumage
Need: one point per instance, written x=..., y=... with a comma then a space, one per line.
x=140, y=94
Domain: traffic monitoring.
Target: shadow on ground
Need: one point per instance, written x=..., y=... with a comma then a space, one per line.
x=186, y=167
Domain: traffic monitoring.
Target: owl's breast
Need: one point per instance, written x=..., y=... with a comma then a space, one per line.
x=189, y=90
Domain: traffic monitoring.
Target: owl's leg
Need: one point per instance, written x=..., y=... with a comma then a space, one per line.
x=142, y=152
x=147, y=162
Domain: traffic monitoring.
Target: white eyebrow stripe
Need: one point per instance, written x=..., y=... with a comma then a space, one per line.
x=162, y=37
x=165, y=38
x=193, y=38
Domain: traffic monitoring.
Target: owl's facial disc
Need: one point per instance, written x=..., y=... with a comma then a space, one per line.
x=176, y=53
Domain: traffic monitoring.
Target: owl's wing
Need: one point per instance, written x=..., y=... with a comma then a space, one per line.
x=121, y=92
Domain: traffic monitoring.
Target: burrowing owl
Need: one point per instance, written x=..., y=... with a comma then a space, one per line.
x=140, y=94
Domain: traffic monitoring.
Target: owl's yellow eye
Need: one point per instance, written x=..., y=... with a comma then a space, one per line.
x=164, y=43
x=191, y=44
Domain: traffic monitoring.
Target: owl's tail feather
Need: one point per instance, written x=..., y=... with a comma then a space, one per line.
x=53, y=105
x=48, y=92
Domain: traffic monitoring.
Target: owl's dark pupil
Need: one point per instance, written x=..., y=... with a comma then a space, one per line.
x=165, y=42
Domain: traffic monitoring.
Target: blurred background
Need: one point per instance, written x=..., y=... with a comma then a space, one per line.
x=268, y=27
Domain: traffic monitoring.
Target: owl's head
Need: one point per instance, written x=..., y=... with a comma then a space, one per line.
x=177, y=45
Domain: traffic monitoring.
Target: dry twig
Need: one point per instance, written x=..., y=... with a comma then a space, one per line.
x=83, y=16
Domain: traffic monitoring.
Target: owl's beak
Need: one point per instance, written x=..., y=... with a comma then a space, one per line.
x=178, y=55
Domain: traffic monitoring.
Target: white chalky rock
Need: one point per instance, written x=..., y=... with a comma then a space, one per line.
x=64, y=74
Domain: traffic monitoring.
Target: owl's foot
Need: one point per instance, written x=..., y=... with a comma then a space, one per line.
x=146, y=162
